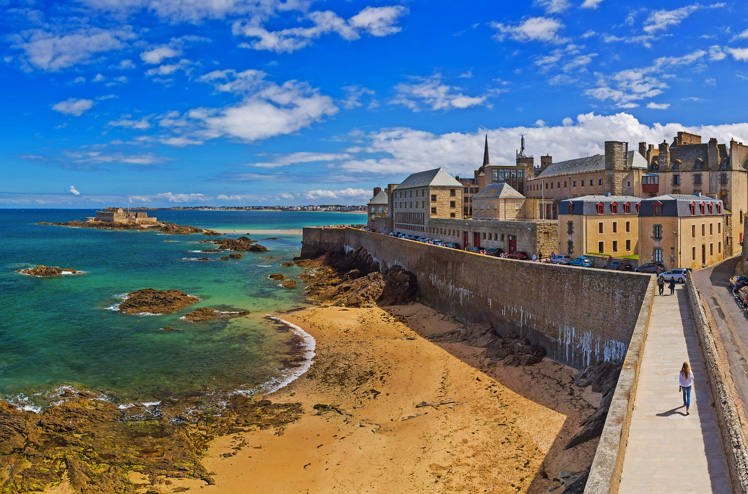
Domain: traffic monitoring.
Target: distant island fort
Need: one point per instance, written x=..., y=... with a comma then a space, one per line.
x=119, y=215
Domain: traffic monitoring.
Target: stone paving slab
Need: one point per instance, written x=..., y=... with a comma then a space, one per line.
x=668, y=451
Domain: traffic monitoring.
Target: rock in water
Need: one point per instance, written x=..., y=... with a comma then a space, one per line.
x=258, y=248
x=287, y=264
x=235, y=255
x=242, y=244
x=204, y=314
x=289, y=284
x=46, y=271
x=277, y=277
x=156, y=301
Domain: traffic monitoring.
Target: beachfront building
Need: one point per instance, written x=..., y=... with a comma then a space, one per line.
x=499, y=201
x=112, y=215
x=681, y=231
x=424, y=196
x=377, y=209
x=617, y=172
x=535, y=237
x=599, y=224
x=688, y=166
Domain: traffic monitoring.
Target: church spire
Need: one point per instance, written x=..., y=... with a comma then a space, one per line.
x=485, y=154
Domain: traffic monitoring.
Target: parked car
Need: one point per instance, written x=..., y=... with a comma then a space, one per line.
x=582, y=261
x=561, y=259
x=742, y=296
x=679, y=275
x=518, y=254
x=619, y=266
x=738, y=280
x=651, y=267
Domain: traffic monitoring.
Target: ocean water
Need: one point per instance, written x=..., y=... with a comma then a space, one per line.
x=64, y=332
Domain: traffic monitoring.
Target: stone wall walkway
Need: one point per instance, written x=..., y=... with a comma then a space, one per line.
x=668, y=451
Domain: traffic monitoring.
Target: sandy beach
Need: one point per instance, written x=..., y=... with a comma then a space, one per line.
x=386, y=410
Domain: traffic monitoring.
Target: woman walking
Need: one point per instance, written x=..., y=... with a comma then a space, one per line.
x=671, y=285
x=661, y=284
x=685, y=381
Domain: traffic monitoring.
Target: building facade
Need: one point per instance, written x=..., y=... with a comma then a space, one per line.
x=498, y=201
x=378, y=207
x=121, y=216
x=423, y=196
x=599, y=224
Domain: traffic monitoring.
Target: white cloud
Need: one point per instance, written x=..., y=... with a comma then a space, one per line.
x=355, y=95
x=591, y=4
x=544, y=29
x=554, y=6
x=52, y=52
x=739, y=54
x=170, y=68
x=348, y=193
x=432, y=93
x=301, y=157
x=567, y=121
x=156, y=55
x=631, y=85
x=540, y=123
x=376, y=21
x=126, y=64
x=662, y=19
x=658, y=106
x=98, y=78
x=170, y=197
x=99, y=158
x=74, y=191
x=141, y=124
x=716, y=53
x=73, y=106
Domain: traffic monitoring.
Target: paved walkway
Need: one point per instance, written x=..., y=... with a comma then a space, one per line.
x=668, y=451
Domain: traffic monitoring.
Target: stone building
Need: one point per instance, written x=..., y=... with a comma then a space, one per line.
x=498, y=201
x=599, y=224
x=119, y=215
x=423, y=196
x=681, y=231
x=617, y=172
x=377, y=208
x=688, y=166
x=532, y=237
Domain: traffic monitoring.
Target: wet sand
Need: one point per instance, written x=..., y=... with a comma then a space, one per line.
x=388, y=411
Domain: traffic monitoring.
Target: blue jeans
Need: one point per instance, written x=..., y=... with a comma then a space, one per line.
x=687, y=396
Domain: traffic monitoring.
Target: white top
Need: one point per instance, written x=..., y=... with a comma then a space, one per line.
x=685, y=382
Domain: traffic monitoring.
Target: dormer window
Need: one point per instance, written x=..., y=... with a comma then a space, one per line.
x=600, y=208
x=676, y=165
x=719, y=208
x=614, y=208
x=711, y=210
x=702, y=208
x=657, y=208
x=571, y=207
x=627, y=208
x=692, y=207
x=638, y=207
x=699, y=164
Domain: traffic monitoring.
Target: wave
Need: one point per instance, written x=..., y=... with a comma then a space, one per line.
x=290, y=375
x=197, y=259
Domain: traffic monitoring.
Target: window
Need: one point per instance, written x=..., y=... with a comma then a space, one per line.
x=452, y=193
x=719, y=247
x=582, y=183
x=495, y=175
x=615, y=245
x=551, y=185
x=569, y=227
x=657, y=209
x=546, y=185
x=600, y=228
x=723, y=178
x=638, y=206
x=570, y=247
x=657, y=254
x=676, y=179
x=693, y=253
x=723, y=197
x=711, y=226
x=697, y=179
x=628, y=227
x=558, y=185
x=711, y=208
x=693, y=231
x=564, y=183
x=451, y=204
x=484, y=235
x=575, y=183
x=703, y=230
x=600, y=208
x=719, y=228
x=601, y=247
x=601, y=181
x=702, y=208
x=433, y=210
x=692, y=208
x=627, y=208
x=615, y=227
x=628, y=184
x=711, y=249
x=657, y=232
x=570, y=207
x=614, y=208
x=628, y=245
x=411, y=193
x=591, y=183
x=433, y=197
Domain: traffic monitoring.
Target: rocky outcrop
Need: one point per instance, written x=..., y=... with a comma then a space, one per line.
x=287, y=264
x=355, y=280
x=289, y=284
x=47, y=271
x=204, y=314
x=95, y=445
x=511, y=350
x=156, y=301
x=235, y=255
x=165, y=226
x=258, y=248
x=277, y=277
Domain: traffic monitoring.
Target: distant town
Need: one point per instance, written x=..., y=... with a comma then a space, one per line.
x=325, y=207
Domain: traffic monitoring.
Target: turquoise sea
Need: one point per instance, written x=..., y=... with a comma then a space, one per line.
x=64, y=332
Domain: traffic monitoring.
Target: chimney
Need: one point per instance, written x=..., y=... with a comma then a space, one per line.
x=712, y=155
x=643, y=149
x=545, y=161
x=616, y=155
x=663, y=159
x=377, y=190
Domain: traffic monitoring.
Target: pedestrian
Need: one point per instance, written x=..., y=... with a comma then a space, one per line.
x=685, y=381
x=553, y=255
x=671, y=285
x=540, y=256
x=661, y=284
x=534, y=257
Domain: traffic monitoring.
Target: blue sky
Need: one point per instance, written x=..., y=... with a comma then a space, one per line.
x=246, y=102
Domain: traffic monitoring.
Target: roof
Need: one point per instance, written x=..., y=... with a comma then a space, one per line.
x=590, y=164
x=679, y=205
x=587, y=205
x=430, y=178
x=500, y=190
x=688, y=156
x=380, y=199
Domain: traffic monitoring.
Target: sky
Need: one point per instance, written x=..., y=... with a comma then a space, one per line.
x=269, y=102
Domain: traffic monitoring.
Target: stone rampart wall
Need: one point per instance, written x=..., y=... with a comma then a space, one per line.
x=580, y=316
